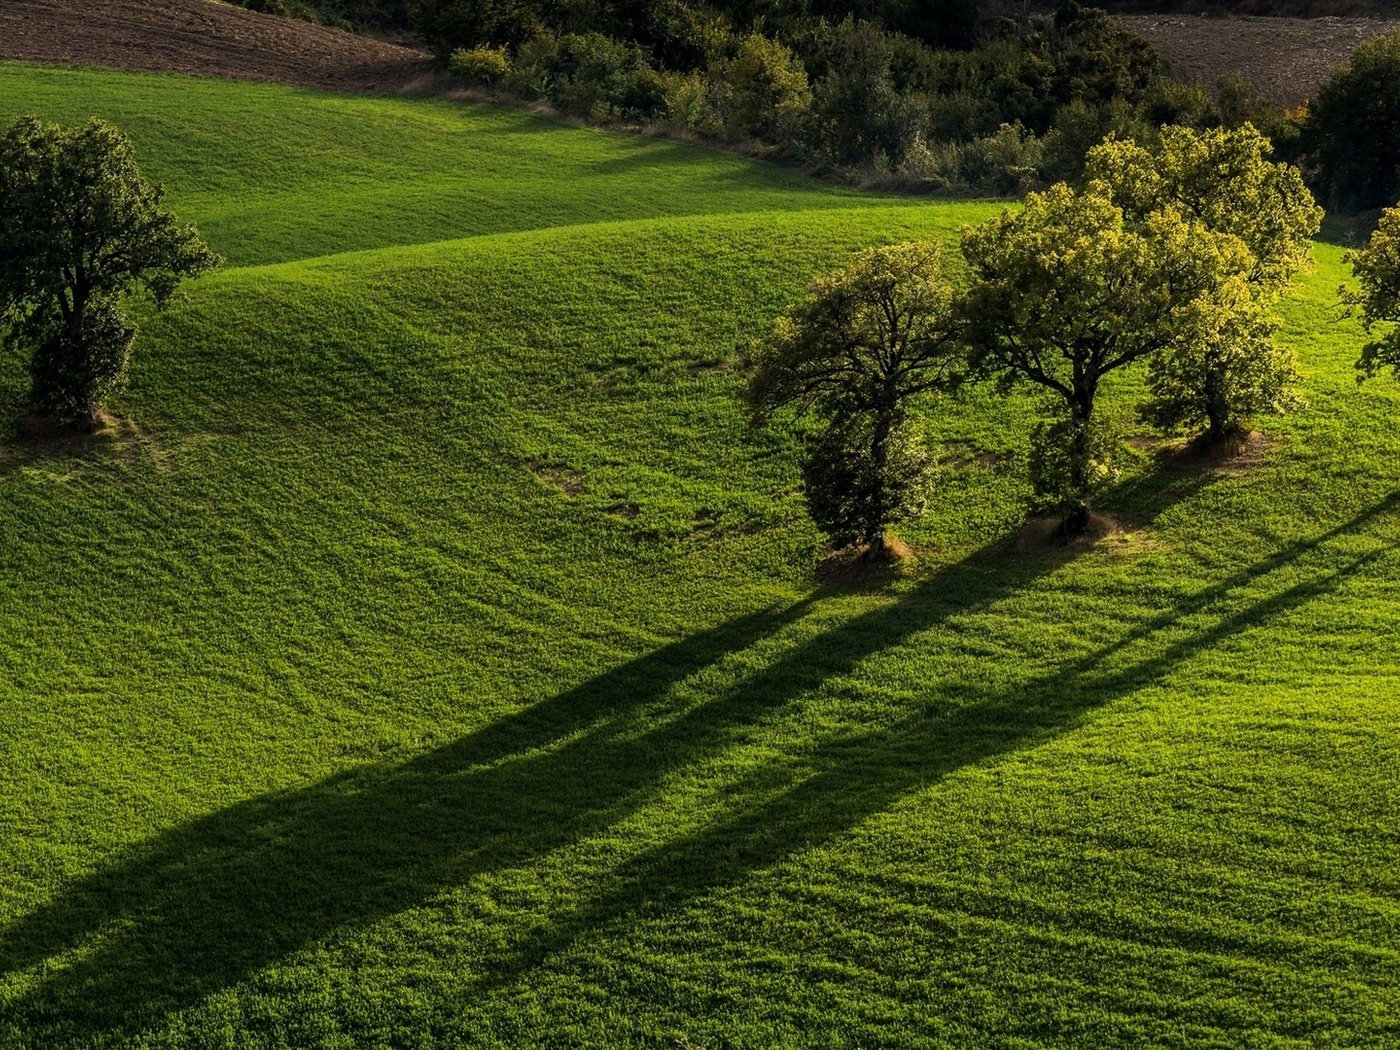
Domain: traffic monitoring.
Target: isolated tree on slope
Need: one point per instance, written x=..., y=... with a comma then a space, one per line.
x=1224, y=180
x=1377, y=267
x=865, y=346
x=80, y=228
x=1069, y=289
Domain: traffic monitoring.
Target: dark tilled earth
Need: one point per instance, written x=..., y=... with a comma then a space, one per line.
x=214, y=39
x=1286, y=59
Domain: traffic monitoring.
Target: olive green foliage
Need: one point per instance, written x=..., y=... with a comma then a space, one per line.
x=866, y=90
x=482, y=64
x=589, y=75
x=1233, y=367
x=1377, y=268
x=1352, y=132
x=1071, y=289
x=1051, y=466
x=864, y=347
x=1230, y=366
x=1224, y=179
x=769, y=97
x=79, y=228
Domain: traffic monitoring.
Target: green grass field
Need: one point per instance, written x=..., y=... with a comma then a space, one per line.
x=428, y=656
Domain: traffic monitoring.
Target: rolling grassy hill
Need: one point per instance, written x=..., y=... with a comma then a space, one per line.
x=428, y=656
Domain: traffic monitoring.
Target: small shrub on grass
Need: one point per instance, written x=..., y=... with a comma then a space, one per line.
x=487, y=66
x=856, y=484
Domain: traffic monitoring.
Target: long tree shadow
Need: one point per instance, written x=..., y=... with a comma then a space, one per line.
x=852, y=778
x=206, y=905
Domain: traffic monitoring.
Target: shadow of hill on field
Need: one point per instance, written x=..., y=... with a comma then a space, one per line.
x=208, y=904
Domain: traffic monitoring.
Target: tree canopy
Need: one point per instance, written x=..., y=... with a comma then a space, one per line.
x=1070, y=289
x=1377, y=268
x=79, y=228
x=1224, y=180
x=866, y=343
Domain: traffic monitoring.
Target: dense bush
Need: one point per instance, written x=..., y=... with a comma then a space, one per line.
x=1377, y=268
x=768, y=95
x=863, y=93
x=481, y=65
x=590, y=75
x=853, y=494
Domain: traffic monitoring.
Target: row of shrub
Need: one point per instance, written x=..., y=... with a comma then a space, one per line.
x=920, y=96
x=1020, y=110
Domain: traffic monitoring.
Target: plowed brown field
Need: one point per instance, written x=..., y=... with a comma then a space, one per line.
x=202, y=36
x=1286, y=59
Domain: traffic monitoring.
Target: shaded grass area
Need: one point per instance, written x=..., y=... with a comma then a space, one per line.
x=344, y=706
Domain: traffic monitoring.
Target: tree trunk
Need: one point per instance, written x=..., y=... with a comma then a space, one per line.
x=1076, y=521
x=1217, y=409
x=879, y=510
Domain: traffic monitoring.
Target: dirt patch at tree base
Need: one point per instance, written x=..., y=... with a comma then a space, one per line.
x=1237, y=452
x=854, y=564
x=112, y=438
x=1047, y=533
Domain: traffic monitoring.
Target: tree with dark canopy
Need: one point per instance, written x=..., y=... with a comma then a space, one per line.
x=79, y=229
x=858, y=353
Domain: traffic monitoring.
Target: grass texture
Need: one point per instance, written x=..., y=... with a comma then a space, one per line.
x=428, y=656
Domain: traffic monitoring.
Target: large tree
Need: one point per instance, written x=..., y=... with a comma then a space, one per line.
x=857, y=354
x=1069, y=289
x=79, y=229
x=1224, y=180
x=1377, y=267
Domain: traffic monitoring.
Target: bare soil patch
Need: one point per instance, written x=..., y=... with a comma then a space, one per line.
x=208, y=38
x=1286, y=59
x=560, y=476
x=1044, y=533
x=1238, y=452
x=43, y=442
x=854, y=564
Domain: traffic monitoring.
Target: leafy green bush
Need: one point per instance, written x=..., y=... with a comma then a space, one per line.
x=691, y=102
x=588, y=75
x=850, y=495
x=769, y=97
x=1052, y=464
x=1377, y=267
x=481, y=65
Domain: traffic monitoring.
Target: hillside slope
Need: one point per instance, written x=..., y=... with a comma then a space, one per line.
x=428, y=655
x=1286, y=59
